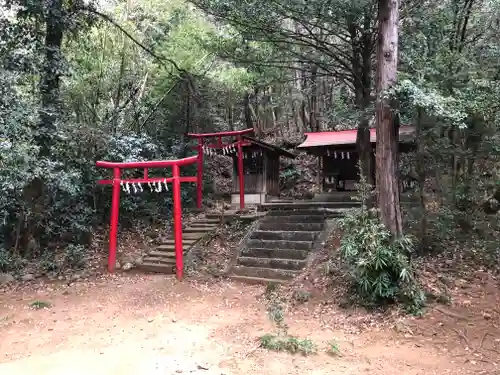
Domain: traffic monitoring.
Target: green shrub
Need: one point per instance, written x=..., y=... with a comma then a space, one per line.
x=333, y=348
x=38, y=305
x=48, y=262
x=301, y=296
x=8, y=262
x=75, y=256
x=380, y=265
x=290, y=344
x=282, y=341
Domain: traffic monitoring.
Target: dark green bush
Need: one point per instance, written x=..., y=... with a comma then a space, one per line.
x=380, y=264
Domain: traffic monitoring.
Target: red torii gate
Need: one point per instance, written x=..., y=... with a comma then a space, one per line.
x=176, y=180
x=219, y=145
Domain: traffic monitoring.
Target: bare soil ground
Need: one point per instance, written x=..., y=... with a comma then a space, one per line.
x=139, y=324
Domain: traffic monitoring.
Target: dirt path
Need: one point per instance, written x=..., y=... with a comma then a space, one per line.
x=154, y=325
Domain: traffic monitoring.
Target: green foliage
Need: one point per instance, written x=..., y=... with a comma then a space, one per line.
x=288, y=344
x=75, y=256
x=333, y=348
x=289, y=176
x=380, y=265
x=275, y=307
x=39, y=305
x=113, y=107
x=434, y=104
x=273, y=65
x=301, y=296
x=289, y=173
x=48, y=262
x=8, y=262
x=282, y=341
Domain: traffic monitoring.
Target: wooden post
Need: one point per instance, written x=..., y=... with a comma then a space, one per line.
x=240, y=173
x=115, y=210
x=321, y=174
x=199, y=174
x=179, y=264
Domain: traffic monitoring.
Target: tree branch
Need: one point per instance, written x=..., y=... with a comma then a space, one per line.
x=161, y=59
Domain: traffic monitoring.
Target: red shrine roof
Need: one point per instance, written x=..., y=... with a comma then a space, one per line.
x=347, y=137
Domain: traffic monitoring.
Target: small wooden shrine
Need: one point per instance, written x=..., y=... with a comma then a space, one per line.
x=261, y=168
x=256, y=164
x=338, y=158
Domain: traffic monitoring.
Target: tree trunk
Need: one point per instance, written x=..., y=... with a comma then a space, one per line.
x=421, y=175
x=247, y=110
x=361, y=62
x=51, y=77
x=230, y=114
x=387, y=127
x=34, y=194
x=254, y=110
x=187, y=111
x=313, y=107
x=363, y=144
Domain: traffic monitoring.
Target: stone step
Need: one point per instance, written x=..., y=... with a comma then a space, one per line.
x=276, y=263
x=159, y=260
x=155, y=267
x=284, y=235
x=196, y=229
x=341, y=196
x=302, y=227
x=161, y=254
x=275, y=253
x=185, y=241
x=326, y=213
x=308, y=204
x=264, y=273
x=293, y=212
x=165, y=248
x=206, y=221
x=256, y=280
x=280, y=244
x=171, y=247
x=294, y=219
x=192, y=235
x=203, y=226
x=219, y=215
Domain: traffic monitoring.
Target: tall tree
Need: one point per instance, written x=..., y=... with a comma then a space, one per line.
x=52, y=20
x=51, y=78
x=387, y=122
x=325, y=38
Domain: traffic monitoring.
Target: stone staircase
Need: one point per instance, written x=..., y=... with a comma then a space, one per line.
x=337, y=196
x=162, y=258
x=278, y=249
x=345, y=198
